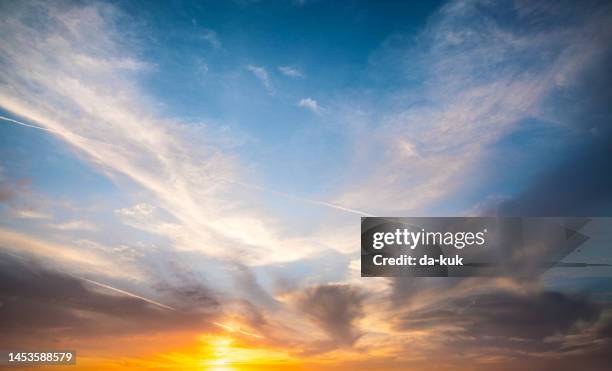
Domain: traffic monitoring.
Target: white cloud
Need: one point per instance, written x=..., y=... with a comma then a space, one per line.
x=262, y=75
x=75, y=225
x=75, y=258
x=138, y=210
x=289, y=71
x=310, y=104
x=30, y=214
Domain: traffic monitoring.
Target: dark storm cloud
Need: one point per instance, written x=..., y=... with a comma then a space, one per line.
x=334, y=308
x=37, y=304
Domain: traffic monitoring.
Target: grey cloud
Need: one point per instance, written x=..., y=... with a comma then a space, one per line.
x=180, y=283
x=38, y=305
x=525, y=327
x=246, y=282
x=405, y=291
x=530, y=316
x=334, y=308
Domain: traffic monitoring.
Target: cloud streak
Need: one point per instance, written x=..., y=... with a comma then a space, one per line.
x=290, y=72
x=262, y=75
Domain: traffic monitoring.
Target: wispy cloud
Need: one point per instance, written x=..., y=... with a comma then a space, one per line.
x=290, y=71
x=179, y=166
x=80, y=109
x=141, y=209
x=75, y=225
x=212, y=38
x=30, y=214
x=262, y=75
x=66, y=257
x=475, y=89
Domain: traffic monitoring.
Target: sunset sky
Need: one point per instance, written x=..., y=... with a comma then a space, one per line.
x=181, y=183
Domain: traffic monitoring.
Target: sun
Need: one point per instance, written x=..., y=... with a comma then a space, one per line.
x=225, y=352
x=220, y=368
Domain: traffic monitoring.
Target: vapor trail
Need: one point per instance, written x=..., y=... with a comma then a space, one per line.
x=303, y=199
x=150, y=301
x=233, y=329
x=24, y=124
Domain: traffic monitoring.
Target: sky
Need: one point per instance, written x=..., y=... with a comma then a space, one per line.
x=181, y=183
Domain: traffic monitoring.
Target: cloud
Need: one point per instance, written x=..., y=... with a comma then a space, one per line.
x=531, y=328
x=433, y=135
x=138, y=210
x=75, y=225
x=201, y=188
x=263, y=77
x=41, y=305
x=310, y=104
x=246, y=282
x=187, y=170
x=506, y=315
x=580, y=183
x=467, y=91
x=30, y=214
x=335, y=308
x=289, y=71
x=502, y=321
x=64, y=256
x=212, y=38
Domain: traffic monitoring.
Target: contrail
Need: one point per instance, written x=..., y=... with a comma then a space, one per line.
x=282, y=194
x=24, y=124
x=303, y=199
x=128, y=294
x=233, y=329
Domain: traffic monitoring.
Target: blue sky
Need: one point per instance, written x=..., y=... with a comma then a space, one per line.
x=240, y=141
